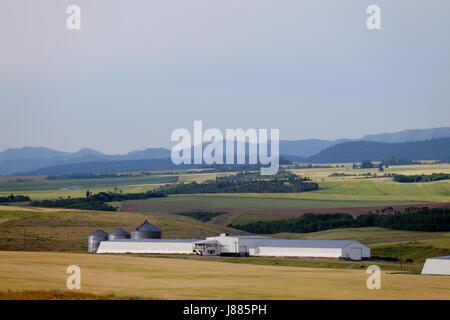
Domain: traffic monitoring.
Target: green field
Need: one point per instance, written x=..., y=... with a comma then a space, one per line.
x=256, y=201
x=365, y=190
x=324, y=173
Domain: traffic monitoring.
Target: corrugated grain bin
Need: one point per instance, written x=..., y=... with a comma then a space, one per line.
x=146, y=231
x=119, y=233
x=95, y=238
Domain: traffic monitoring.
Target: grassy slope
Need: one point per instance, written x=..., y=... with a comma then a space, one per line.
x=67, y=230
x=195, y=279
x=369, y=236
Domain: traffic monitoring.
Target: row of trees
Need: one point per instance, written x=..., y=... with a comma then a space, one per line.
x=114, y=196
x=288, y=185
x=367, y=164
x=421, y=177
x=414, y=219
x=74, y=203
x=96, y=201
x=252, y=175
x=13, y=198
x=203, y=216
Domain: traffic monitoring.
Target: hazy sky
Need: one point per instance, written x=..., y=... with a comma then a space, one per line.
x=139, y=69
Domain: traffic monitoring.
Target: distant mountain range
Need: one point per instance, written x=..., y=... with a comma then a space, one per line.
x=356, y=151
x=409, y=135
x=26, y=159
x=42, y=161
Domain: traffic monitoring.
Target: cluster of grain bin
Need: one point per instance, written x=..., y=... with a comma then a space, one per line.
x=141, y=232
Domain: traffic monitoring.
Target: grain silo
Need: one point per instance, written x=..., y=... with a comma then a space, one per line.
x=95, y=238
x=119, y=233
x=146, y=231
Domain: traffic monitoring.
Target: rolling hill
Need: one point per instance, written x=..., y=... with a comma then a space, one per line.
x=409, y=135
x=356, y=151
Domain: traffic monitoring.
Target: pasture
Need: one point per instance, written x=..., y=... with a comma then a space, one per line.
x=165, y=278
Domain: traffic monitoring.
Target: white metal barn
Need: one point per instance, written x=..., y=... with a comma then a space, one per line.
x=174, y=246
x=241, y=246
x=437, y=265
x=265, y=246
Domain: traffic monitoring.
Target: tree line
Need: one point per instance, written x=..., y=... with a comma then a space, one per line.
x=95, y=201
x=287, y=185
x=252, y=175
x=14, y=198
x=98, y=201
x=412, y=219
x=74, y=203
x=421, y=177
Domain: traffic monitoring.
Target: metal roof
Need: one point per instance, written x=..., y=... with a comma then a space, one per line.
x=441, y=258
x=146, y=226
x=156, y=240
x=119, y=231
x=304, y=243
x=99, y=233
x=240, y=237
x=250, y=237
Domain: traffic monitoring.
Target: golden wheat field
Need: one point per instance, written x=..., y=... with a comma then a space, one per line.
x=166, y=278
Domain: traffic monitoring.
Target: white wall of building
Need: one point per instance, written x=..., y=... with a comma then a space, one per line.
x=349, y=251
x=296, y=252
x=146, y=246
x=251, y=245
x=439, y=265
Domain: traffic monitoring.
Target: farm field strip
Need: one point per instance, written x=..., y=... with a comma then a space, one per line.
x=193, y=279
x=263, y=206
x=42, y=184
x=324, y=173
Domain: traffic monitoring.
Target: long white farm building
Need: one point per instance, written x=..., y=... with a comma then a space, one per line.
x=437, y=265
x=228, y=245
